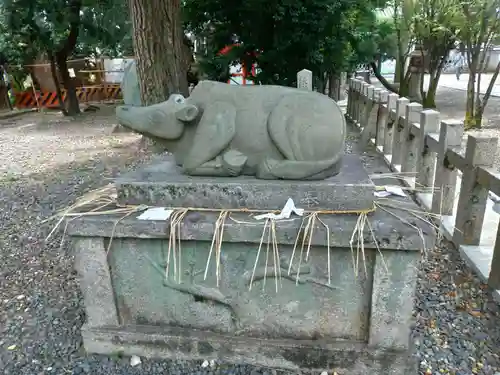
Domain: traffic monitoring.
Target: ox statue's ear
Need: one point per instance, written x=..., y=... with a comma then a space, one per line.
x=187, y=113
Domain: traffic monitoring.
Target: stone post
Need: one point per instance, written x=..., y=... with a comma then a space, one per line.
x=480, y=152
x=397, y=130
x=381, y=117
x=364, y=103
x=350, y=98
x=371, y=113
x=304, y=80
x=359, y=99
x=389, y=126
x=445, y=178
x=342, y=84
x=429, y=123
x=354, y=94
x=409, y=141
x=368, y=100
x=95, y=281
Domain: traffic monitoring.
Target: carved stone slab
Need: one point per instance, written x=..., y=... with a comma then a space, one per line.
x=163, y=184
x=305, y=80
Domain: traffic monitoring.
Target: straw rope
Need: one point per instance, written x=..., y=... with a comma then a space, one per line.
x=97, y=201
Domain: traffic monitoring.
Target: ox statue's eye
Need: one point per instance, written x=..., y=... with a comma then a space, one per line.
x=179, y=99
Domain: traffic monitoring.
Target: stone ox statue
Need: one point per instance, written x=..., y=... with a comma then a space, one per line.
x=271, y=132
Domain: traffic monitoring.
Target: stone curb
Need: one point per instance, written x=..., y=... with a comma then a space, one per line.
x=14, y=113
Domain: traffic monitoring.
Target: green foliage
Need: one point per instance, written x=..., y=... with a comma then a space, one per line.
x=106, y=29
x=320, y=35
x=216, y=66
x=59, y=29
x=481, y=20
x=481, y=25
x=31, y=27
x=436, y=26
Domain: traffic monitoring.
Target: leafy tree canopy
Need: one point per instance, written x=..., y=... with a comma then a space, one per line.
x=320, y=35
x=60, y=29
x=103, y=27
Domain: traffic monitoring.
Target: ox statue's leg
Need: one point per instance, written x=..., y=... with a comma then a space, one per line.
x=209, y=155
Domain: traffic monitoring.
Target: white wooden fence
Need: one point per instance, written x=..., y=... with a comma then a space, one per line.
x=429, y=149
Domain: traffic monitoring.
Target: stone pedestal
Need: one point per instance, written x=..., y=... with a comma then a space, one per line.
x=162, y=184
x=273, y=307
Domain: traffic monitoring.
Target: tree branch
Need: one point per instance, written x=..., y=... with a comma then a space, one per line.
x=74, y=28
x=382, y=80
x=487, y=94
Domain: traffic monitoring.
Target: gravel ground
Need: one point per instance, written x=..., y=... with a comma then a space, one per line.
x=457, y=327
x=46, y=164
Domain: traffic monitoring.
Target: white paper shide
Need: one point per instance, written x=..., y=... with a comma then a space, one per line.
x=285, y=213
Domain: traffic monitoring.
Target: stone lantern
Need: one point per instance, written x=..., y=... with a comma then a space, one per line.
x=417, y=66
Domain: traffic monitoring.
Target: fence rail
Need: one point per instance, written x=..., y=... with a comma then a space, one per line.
x=420, y=143
x=87, y=94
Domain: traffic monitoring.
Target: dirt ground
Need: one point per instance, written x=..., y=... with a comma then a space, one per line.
x=451, y=103
x=38, y=142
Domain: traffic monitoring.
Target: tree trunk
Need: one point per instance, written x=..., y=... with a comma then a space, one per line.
x=493, y=80
x=391, y=87
x=72, y=105
x=55, y=78
x=334, y=87
x=397, y=71
x=61, y=56
x=158, y=45
x=5, y=84
x=429, y=97
x=429, y=101
x=470, y=117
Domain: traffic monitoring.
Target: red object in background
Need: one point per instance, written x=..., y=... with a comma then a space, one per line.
x=243, y=73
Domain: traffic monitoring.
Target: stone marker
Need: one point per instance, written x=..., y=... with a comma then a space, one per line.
x=131, y=92
x=130, y=85
x=305, y=80
x=271, y=132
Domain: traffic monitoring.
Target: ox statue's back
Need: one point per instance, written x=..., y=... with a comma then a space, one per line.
x=271, y=132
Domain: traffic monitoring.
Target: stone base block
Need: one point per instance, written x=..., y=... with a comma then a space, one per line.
x=321, y=306
x=162, y=184
x=304, y=356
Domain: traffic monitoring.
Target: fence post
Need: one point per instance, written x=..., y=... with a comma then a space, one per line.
x=410, y=142
x=381, y=118
x=426, y=159
x=368, y=96
x=494, y=277
x=363, y=102
x=349, y=98
x=445, y=178
x=359, y=99
x=397, y=129
x=389, y=126
x=479, y=152
x=370, y=125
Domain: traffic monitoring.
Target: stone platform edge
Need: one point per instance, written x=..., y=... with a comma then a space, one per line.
x=391, y=233
x=163, y=184
x=293, y=355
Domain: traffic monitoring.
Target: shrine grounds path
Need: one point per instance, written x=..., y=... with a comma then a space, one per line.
x=47, y=162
